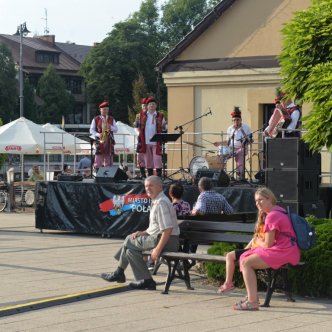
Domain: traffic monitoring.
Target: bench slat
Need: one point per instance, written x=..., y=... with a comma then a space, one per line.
x=242, y=217
x=209, y=237
x=206, y=226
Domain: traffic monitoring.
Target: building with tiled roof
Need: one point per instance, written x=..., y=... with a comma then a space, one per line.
x=39, y=52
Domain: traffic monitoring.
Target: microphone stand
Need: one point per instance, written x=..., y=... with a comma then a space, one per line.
x=233, y=155
x=244, y=140
x=180, y=128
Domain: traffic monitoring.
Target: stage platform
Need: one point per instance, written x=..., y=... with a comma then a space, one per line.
x=117, y=209
x=112, y=209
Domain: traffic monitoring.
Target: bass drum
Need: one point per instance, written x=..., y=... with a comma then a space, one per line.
x=196, y=164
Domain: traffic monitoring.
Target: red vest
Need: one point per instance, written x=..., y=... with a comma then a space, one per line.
x=291, y=110
x=108, y=146
x=141, y=144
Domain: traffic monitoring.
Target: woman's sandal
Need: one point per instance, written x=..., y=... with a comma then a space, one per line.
x=246, y=306
x=246, y=299
x=224, y=288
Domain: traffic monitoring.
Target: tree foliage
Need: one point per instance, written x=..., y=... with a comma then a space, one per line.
x=180, y=17
x=133, y=48
x=113, y=65
x=30, y=107
x=3, y=157
x=57, y=101
x=306, y=68
x=8, y=85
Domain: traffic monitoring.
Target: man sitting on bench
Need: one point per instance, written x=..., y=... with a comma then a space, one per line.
x=209, y=201
x=161, y=235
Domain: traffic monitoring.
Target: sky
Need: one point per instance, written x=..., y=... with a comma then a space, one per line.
x=82, y=22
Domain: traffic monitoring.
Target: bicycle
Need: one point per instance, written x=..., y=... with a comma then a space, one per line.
x=3, y=197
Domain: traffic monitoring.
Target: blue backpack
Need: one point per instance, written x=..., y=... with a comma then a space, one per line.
x=305, y=233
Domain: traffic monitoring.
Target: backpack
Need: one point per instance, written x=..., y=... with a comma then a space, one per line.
x=305, y=233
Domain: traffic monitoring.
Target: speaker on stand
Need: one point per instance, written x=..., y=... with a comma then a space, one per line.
x=110, y=174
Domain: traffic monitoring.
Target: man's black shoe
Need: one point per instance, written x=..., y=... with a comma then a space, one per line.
x=148, y=284
x=114, y=276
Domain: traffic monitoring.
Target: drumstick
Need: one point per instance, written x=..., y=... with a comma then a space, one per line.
x=207, y=141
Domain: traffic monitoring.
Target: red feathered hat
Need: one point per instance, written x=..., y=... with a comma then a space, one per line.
x=236, y=113
x=150, y=100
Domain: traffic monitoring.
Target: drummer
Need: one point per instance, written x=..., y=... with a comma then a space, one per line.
x=238, y=135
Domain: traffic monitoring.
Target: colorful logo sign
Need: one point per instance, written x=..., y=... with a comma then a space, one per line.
x=13, y=148
x=121, y=203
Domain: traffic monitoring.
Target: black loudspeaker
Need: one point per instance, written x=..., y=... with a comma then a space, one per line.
x=293, y=185
x=218, y=177
x=291, y=153
x=70, y=177
x=315, y=208
x=295, y=207
x=110, y=174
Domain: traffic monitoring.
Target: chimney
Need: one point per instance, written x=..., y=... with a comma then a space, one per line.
x=48, y=38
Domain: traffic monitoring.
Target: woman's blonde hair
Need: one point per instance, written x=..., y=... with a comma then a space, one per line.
x=266, y=193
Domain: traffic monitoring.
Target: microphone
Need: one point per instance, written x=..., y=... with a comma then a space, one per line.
x=210, y=111
x=176, y=128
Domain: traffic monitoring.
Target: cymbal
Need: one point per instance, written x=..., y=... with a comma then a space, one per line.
x=194, y=144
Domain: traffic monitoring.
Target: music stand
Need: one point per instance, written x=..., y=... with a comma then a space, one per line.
x=91, y=139
x=164, y=138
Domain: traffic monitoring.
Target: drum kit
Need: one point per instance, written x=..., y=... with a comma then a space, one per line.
x=211, y=161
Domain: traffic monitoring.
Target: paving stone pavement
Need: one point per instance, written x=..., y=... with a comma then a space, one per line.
x=36, y=266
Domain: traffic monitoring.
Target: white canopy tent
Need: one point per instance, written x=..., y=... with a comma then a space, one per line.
x=125, y=139
x=125, y=143
x=25, y=137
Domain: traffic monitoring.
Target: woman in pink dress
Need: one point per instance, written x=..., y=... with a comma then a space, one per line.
x=275, y=249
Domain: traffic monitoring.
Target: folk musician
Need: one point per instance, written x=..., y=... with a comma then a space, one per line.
x=102, y=128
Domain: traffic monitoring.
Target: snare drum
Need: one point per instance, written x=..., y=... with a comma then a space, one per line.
x=225, y=151
x=196, y=164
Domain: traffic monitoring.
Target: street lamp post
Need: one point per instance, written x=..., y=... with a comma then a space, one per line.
x=22, y=30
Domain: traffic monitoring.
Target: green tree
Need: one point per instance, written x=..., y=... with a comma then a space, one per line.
x=8, y=85
x=30, y=107
x=306, y=68
x=3, y=157
x=139, y=91
x=180, y=17
x=133, y=48
x=57, y=101
x=112, y=66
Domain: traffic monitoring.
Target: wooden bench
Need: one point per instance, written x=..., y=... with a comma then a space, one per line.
x=205, y=232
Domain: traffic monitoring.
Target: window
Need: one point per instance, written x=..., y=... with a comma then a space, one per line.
x=47, y=57
x=74, y=85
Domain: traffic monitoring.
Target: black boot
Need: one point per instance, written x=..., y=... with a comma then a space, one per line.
x=150, y=171
x=142, y=171
x=159, y=172
x=118, y=276
x=148, y=284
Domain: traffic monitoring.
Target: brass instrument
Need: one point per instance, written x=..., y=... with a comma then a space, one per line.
x=105, y=131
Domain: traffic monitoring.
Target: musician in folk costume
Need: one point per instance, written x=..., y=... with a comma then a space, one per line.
x=136, y=125
x=285, y=115
x=151, y=122
x=102, y=128
x=239, y=135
